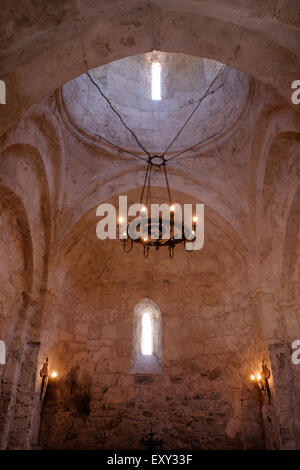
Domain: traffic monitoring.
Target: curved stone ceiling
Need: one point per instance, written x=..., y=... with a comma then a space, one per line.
x=127, y=83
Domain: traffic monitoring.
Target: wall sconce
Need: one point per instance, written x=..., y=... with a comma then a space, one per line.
x=261, y=381
x=44, y=373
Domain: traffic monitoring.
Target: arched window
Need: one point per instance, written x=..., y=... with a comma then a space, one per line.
x=2, y=352
x=147, y=349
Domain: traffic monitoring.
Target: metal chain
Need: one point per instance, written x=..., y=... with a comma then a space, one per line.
x=149, y=164
x=149, y=182
x=120, y=148
x=167, y=183
x=195, y=145
x=207, y=92
x=119, y=115
x=145, y=182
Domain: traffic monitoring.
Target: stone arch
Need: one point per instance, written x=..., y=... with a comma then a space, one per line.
x=13, y=205
x=181, y=179
x=288, y=302
x=17, y=312
x=276, y=188
x=281, y=153
x=9, y=198
x=291, y=256
x=39, y=137
x=269, y=125
x=23, y=176
x=41, y=129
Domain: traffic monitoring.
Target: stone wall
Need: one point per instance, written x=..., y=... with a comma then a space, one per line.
x=210, y=342
x=114, y=411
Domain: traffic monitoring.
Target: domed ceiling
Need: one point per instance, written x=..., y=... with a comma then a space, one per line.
x=184, y=80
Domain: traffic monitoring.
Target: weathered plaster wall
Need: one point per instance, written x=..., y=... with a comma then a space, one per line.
x=211, y=341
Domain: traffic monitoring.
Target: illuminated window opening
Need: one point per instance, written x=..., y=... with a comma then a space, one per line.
x=147, y=338
x=156, y=81
x=147, y=335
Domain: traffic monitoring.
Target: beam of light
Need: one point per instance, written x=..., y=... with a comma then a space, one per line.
x=156, y=81
x=147, y=335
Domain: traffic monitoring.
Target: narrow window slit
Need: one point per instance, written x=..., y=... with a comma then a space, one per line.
x=147, y=338
x=147, y=335
x=156, y=81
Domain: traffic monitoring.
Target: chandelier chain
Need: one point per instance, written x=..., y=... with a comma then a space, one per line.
x=145, y=182
x=167, y=184
x=152, y=160
x=149, y=182
x=119, y=115
x=120, y=148
x=195, y=145
x=207, y=92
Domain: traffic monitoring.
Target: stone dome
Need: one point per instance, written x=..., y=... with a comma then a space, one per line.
x=184, y=80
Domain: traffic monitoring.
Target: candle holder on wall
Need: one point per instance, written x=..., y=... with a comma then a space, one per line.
x=44, y=373
x=261, y=382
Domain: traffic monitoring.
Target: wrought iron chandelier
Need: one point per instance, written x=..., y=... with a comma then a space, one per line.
x=155, y=228
x=158, y=225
